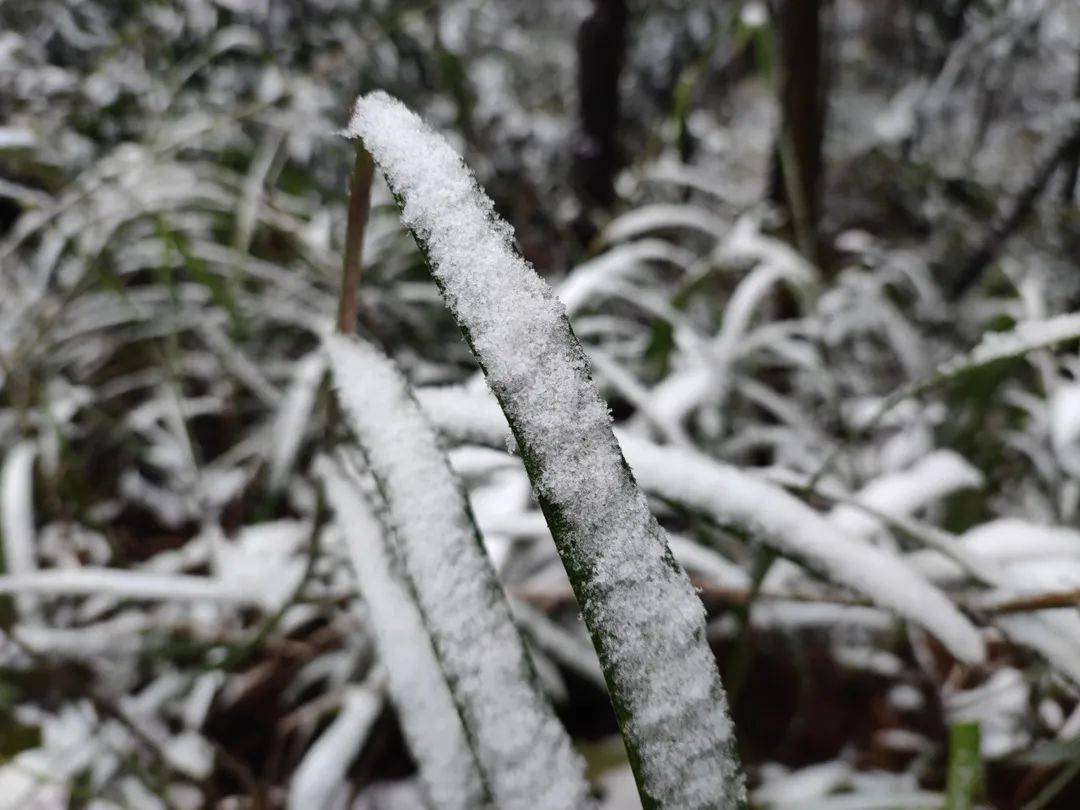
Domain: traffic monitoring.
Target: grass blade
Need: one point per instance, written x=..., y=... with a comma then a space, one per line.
x=645, y=619
x=523, y=753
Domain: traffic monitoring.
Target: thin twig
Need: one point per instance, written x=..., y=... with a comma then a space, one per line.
x=359, y=208
x=1026, y=603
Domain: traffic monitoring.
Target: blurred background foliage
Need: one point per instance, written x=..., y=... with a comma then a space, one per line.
x=810, y=204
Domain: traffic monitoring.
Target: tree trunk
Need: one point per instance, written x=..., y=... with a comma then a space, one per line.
x=601, y=48
x=798, y=173
x=1072, y=160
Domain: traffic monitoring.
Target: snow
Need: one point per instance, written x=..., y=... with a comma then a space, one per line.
x=1053, y=634
x=17, y=514
x=1002, y=708
x=620, y=790
x=1032, y=558
x=523, y=753
x=467, y=416
x=676, y=714
x=810, y=782
x=836, y=785
x=320, y=776
x=768, y=513
x=697, y=557
x=1065, y=427
x=1024, y=337
x=789, y=617
x=289, y=423
x=264, y=560
x=124, y=584
x=1012, y=539
x=571, y=649
x=17, y=138
x=71, y=741
x=597, y=274
x=1016, y=558
x=933, y=477
x=417, y=686
x=684, y=390
x=786, y=524
x=662, y=217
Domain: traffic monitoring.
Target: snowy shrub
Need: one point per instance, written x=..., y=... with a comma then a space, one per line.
x=641, y=611
x=249, y=562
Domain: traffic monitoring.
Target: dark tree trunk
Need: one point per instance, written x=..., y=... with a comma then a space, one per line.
x=601, y=49
x=801, y=82
x=1072, y=160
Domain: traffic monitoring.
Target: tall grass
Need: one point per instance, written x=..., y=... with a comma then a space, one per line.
x=645, y=620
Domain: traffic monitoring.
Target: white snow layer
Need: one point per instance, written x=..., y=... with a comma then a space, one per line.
x=17, y=514
x=124, y=584
x=291, y=420
x=523, y=753
x=1065, y=427
x=645, y=618
x=1012, y=540
x=417, y=686
x=320, y=776
x=785, y=523
x=770, y=514
x=937, y=475
x=1024, y=337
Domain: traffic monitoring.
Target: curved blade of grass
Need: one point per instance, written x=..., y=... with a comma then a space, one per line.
x=17, y=516
x=758, y=508
x=429, y=718
x=523, y=753
x=320, y=776
x=645, y=619
x=1026, y=336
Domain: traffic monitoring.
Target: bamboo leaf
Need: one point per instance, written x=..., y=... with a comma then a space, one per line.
x=645, y=619
x=523, y=753
x=760, y=509
x=429, y=718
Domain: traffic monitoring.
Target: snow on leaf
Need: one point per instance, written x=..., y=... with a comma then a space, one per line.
x=17, y=513
x=262, y=560
x=522, y=751
x=120, y=583
x=425, y=706
x=596, y=275
x=686, y=389
x=320, y=776
x=290, y=422
x=937, y=475
x=1014, y=557
x=787, y=525
x=665, y=685
x=663, y=217
x=1011, y=540
x=1024, y=337
x=1065, y=427
x=765, y=512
